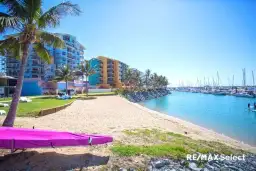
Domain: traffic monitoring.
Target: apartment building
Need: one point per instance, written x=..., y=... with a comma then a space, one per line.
x=70, y=55
x=110, y=73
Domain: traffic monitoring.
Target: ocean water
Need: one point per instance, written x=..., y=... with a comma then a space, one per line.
x=224, y=114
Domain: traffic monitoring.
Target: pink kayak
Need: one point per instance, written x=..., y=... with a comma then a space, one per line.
x=22, y=138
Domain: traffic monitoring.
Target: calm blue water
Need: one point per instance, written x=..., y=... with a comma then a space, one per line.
x=224, y=114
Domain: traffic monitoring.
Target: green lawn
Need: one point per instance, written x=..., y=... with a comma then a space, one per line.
x=101, y=94
x=5, y=99
x=167, y=144
x=33, y=108
x=78, y=95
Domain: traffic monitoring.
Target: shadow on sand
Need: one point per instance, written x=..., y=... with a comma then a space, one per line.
x=32, y=160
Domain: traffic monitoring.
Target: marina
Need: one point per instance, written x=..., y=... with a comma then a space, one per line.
x=214, y=87
x=228, y=115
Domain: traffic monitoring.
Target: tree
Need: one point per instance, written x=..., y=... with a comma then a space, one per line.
x=147, y=77
x=85, y=69
x=26, y=20
x=137, y=80
x=64, y=74
x=128, y=77
x=154, y=80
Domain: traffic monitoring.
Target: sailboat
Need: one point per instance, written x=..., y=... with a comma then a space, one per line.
x=244, y=93
x=218, y=91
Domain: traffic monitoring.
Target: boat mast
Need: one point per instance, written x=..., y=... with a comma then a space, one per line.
x=244, y=78
x=213, y=82
x=233, y=81
x=253, y=83
x=218, y=79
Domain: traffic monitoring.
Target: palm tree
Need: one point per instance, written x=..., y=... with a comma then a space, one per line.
x=85, y=69
x=137, y=79
x=147, y=77
x=128, y=77
x=154, y=80
x=165, y=82
x=26, y=20
x=64, y=74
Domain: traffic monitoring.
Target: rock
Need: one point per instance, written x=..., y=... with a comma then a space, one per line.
x=224, y=169
x=131, y=169
x=204, y=169
x=122, y=169
x=216, y=165
x=233, y=168
x=193, y=167
x=161, y=163
x=249, y=164
x=150, y=168
x=208, y=166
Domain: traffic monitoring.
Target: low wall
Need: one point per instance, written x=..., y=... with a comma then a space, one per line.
x=31, y=88
x=99, y=90
x=53, y=110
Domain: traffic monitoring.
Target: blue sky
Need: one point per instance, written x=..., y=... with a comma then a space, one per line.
x=181, y=39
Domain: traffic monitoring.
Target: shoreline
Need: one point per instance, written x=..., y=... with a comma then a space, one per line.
x=111, y=115
x=214, y=136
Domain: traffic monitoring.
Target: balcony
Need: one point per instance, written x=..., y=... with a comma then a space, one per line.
x=110, y=63
x=110, y=74
x=110, y=71
x=110, y=68
x=35, y=76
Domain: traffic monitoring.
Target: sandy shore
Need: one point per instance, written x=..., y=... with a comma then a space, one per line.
x=111, y=115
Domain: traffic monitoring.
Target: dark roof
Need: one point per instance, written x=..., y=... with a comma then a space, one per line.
x=7, y=77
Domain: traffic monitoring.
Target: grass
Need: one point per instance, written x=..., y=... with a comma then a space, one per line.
x=85, y=98
x=167, y=144
x=5, y=99
x=101, y=94
x=33, y=108
x=45, y=102
x=153, y=150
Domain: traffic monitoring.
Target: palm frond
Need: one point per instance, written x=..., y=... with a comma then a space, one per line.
x=86, y=69
x=50, y=39
x=57, y=78
x=42, y=52
x=33, y=9
x=11, y=47
x=51, y=18
x=14, y=7
x=8, y=22
x=64, y=73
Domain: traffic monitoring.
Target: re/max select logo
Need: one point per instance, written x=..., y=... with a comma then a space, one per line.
x=209, y=157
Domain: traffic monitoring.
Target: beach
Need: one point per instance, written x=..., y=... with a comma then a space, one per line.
x=111, y=115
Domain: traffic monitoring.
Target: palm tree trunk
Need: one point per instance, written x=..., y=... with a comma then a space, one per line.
x=86, y=85
x=83, y=84
x=66, y=87
x=9, y=120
